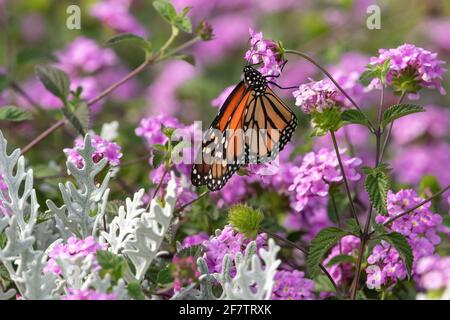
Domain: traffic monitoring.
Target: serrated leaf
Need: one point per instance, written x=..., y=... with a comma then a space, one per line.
x=320, y=245
x=183, y=23
x=399, y=242
x=341, y=258
x=399, y=110
x=54, y=80
x=165, y=10
x=353, y=227
x=135, y=291
x=131, y=38
x=83, y=115
x=355, y=117
x=13, y=113
x=377, y=186
x=111, y=264
x=192, y=251
x=323, y=284
x=73, y=120
x=164, y=277
x=323, y=122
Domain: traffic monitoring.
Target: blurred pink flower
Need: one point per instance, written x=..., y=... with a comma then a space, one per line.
x=437, y=31
x=411, y=163
x=433, y=123
x=116, y=15
x=88, y=294
x=220, y=99
x=162, y=94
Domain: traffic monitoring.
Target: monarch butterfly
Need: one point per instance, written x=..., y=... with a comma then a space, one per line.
x=252, y=126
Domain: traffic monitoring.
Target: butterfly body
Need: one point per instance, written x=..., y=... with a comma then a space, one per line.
x=252, y=126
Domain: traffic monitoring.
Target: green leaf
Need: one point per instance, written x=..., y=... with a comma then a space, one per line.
x=165, y=10
x=323, y=122
x=355, y=117
x=185, y=57
x=353, y=227
x=399, y=242
x=399, y=110
x=111, y=264
x=384, y=70
x=377, y=186
x=323, y=284
x=183, y=23
x=192, y=251
x=373, y=71
x=341, y=258
x=177, y=151
x=164, y=277
x=54, y=80
x=135, y=291
x=73, y=120
x=320, y=245
x=13, y=113
x=83, y=115
x=168, y=12
x=133, y=39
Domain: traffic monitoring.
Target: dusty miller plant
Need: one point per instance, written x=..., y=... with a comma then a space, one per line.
x=138, y=233
x=254, y=277
x=74, y=216
x=23, y=263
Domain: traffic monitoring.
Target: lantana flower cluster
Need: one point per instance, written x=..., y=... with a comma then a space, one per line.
x=316, y=96
x=228, y=241
x=408, y=60
x=266, y=52
x=292, y=285
x=317, y=171
x=420, y=228
x=104, y=148
x=76, y=251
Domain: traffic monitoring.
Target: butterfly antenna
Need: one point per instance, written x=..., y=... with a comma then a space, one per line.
x=283, y=88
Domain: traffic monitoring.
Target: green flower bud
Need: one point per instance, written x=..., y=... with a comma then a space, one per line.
x=245, y=220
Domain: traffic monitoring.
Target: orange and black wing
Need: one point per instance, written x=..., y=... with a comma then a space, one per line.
x=269, y=125
x=223, y=144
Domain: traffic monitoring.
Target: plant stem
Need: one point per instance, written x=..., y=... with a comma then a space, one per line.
x=114, y=86
x=386, y=140
x=416, y=206
x=308, y=58
x=187, y=204
x=301, y=249
x=42, y=136
x=160, y=56
x=364, y=237
x=344, y=178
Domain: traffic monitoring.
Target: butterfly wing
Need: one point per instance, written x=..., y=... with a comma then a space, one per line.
x=269, y=125
x=223, y=144
x=250, y=127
